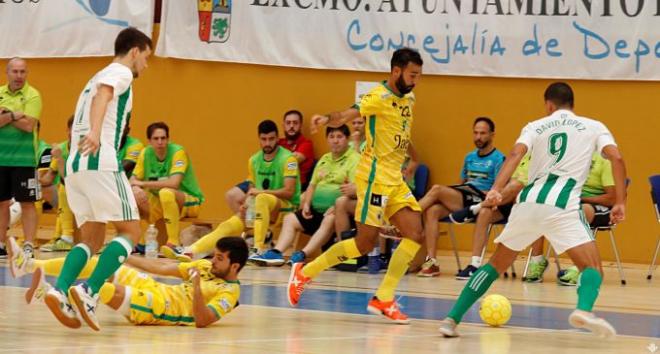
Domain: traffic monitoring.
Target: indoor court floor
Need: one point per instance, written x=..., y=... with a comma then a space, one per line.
x=332, y=318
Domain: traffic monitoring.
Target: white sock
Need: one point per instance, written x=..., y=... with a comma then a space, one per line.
x=66, y=238
x=476, y=261
x=538, y=259
x=476, y=208
x=2, y=245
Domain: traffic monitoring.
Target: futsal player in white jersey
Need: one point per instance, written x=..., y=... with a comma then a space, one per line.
x=96, y=185
x=561, y=146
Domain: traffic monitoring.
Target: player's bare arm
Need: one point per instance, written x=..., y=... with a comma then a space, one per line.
x=612, y=153
x=285, y=193
x=154, y=266
x=204, y=316
x=333, y=119
x=173, y=182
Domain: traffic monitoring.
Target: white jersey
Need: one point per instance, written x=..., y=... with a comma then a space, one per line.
x=117, y=114
x=561, y=146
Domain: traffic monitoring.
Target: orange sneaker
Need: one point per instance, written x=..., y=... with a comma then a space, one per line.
x=388, y=309
x=296, y=284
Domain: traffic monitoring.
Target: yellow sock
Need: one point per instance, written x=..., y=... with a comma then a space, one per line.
x=264, y=204
x=399, y=263
x=58, y=226
x=231, y=227
x=64, y=214
x=170, y=214
x=39, y=205
x=53, y=267
x=107, y=292
x=336, y=254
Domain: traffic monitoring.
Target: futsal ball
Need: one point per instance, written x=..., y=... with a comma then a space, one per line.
x=495, y=310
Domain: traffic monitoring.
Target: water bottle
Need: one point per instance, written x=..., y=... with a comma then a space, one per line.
x=151, y=240
x=249, y=213
x=373, y=265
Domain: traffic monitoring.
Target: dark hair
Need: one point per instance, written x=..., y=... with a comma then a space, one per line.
x=69, y=122
x=405, y=55
x=296, y=112
x=237, y=248
x=560, y=94
x=158, y=125
x=343, y=129
x=487, y=120
x=267, y=126
x=130, y=38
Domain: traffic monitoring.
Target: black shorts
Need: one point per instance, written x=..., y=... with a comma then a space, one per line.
x=310, y=225
x=601, y=216
x=244, y=186
x=20, y=183
x=471, y=195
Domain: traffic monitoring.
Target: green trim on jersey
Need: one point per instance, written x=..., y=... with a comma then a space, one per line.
x=155, y=170
x=121, y=108
x=547, y=186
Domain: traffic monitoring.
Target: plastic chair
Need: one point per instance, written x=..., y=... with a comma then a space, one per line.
x=452, y=238
x=610, y=230
x=655, y=197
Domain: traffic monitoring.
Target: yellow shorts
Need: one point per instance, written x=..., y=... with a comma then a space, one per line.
x=376, y=203
x=191, y=206
x=145, y=303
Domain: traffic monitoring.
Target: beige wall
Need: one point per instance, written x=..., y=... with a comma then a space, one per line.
x=213, y=109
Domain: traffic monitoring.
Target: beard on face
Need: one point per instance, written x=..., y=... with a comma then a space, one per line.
x=268, y=149
x=220, y=274
x=402, y=87
x=290, y=136
x=480, y=144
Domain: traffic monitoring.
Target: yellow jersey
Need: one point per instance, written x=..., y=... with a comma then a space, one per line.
x=173, y=304
x=388, y=129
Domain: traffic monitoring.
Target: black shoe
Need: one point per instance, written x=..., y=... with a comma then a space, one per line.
x=466, y=273
x=3, y=252
x=462, y=216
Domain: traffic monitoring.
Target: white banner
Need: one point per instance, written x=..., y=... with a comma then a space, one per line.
x=69, y=28
x=588, y=39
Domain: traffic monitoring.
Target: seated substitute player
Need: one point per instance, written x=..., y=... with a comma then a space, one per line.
x=165, y=185
x=561, y=146
x=477, y=176
x=302, y=149
x=487, y=213
x=275, y=186
x=64, y=225
x=316, y=218
x=209, y=291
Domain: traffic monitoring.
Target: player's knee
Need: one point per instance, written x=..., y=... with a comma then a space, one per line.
x=365, y=244
x=341, y=202
x=262, y=198
x=167, y=195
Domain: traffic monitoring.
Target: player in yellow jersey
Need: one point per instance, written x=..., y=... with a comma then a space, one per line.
x=381, y=191
x=209, y=291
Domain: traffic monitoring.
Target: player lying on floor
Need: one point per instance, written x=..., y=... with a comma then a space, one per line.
x=209, y=291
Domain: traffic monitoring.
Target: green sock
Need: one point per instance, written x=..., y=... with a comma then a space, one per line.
x=477, y=285
x=73, y=264
x=110, y=260
x=587, y=289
